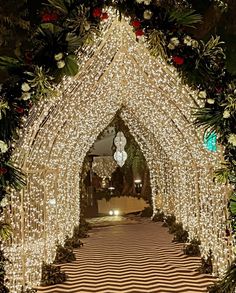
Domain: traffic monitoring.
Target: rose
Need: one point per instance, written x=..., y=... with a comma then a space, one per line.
x=20, y=110
x=226, y=114
x=61, y=64
x=25, y=87
x=232, y=139
x=147, y=14
x=58, y=56
x=178, y=60
x=202, y=95
x=25, y=96
x=210, y=101
x=136, y=23
x=3, y=147
x=49, y=17
x=3, y=170
x=97, y=12
x=139, y=33
x=104, y=16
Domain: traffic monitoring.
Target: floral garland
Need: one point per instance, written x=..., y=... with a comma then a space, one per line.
x=65, y=26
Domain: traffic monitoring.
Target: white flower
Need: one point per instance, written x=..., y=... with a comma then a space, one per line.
x=202, y=94
x=25, y=87
x=232, y=139
x=3, y=147
x=139, y=1
x=4, y=202
x=147, y=14
x=226, y=114
x=194, y=43
x=171, y=46
x=174, y=41
x=147, y=2
x=61, y=64
x=58, y=56
x=25, y=96
x=188, y=41
x=210, y=101
x=86, y=25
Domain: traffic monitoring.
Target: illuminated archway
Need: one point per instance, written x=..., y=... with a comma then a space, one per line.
x=156, y=107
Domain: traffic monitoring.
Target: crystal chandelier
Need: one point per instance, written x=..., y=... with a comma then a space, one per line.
x=120, y=154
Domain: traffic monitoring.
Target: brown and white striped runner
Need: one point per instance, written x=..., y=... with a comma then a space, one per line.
x=135, y=258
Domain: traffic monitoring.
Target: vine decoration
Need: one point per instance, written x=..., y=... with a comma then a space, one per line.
x=65, y=26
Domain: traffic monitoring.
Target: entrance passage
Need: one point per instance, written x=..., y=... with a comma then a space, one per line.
x=133, y=256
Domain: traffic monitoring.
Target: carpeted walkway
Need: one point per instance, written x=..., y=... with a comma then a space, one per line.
x=135, y=258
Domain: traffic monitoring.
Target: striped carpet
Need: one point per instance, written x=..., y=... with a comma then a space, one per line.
x=135, y=258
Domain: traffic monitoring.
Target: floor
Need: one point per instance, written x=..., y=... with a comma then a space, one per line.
x=132, y=256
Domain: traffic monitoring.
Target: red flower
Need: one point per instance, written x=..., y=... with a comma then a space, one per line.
x=219, y=90
x=136, y=23
x=178, y=60
x=19, y=110
x=104, y=16
x=49, y=17
x=97, y=12
x=139, y=33
x=28, y=57
x=3, y=170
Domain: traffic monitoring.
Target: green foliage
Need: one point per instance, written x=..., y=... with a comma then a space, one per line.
x=81, y=231
x=159, y=216
x=73, y=242
x=227, y=284
x=180, y=235
x=5, y=231
x=52, y=275
x=206, y=266
x=192, y=248
x=146, y=212
x=175, y=227
x=156, y=44
x=64, y=254
x=186, y=17
x=210, y=58
x=3, y=261
x=169, y=220
x=13, y=177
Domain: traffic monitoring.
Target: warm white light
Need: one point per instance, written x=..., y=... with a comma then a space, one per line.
x=157, y=108
x=116, y=213
x=111, y=213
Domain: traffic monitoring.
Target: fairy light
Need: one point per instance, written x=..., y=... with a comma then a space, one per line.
x=116, y=73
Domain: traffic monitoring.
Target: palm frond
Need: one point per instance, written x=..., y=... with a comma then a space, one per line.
x=186, y=17
x=156, y=44
x=227, y=284
x=208, y=118
x=5, y=231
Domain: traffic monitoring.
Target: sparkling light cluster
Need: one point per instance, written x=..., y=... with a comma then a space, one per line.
x=156, y=106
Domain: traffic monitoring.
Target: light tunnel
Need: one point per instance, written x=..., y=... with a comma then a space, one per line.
x=119, y=75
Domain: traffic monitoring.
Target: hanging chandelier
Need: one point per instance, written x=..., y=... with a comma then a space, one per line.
x=120, y=154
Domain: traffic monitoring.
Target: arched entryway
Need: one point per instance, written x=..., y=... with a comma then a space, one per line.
x=59, y=133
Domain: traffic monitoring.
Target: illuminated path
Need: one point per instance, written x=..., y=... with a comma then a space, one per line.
x=134, y=258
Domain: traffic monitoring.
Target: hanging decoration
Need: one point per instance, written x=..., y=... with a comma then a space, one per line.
x=120, y=154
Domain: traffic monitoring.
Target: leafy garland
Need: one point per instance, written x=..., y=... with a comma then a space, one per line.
x=67, y=25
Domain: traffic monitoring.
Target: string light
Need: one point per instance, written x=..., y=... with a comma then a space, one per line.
x=117, y=73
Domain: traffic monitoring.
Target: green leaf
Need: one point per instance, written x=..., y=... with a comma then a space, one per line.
x=60, y=5
x=74, y=42
x=71, y=68
x=187, y=17
x=7, y=63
